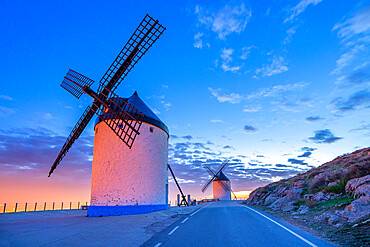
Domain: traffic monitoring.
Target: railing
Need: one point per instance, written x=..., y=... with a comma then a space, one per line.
x=26, y=207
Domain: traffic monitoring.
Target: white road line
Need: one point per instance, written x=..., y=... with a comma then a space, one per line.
x=173, y=230
x=184, y=220
x=157, y=245
x=199, y=210
x=196, y=211
x=295, y=234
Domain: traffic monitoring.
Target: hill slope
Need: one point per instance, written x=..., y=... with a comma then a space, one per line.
x=335, y=195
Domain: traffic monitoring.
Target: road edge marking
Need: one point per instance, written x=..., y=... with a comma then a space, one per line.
x=184, y=220
x=157, y=245
x=170, y=233
x=287, y=229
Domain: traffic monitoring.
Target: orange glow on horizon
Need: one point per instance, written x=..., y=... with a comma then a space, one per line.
x=244, y=194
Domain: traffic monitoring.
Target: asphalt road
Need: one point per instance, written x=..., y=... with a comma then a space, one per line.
x=232, y=224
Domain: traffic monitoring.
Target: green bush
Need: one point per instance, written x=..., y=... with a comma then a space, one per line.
x=341, y=201
x=339, y=188
x=299, y=203
x=316, y=185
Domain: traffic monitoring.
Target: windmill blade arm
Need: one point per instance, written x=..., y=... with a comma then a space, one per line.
x=73, y=82
x=205, y=187
x=76, y=132
x=209, y=170
x=120, y=116
x=141, y=40
x=223, y=166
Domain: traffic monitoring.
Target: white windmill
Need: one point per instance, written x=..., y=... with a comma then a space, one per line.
x=221, y=184
x=126, y=178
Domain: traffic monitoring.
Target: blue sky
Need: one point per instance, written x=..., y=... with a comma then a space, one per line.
x=278, y=87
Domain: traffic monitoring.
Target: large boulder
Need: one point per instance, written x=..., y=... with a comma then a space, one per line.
x=356, y=182
x=363, y=190
x=286, y=203
x=257, y=197
x=330, y=218
x=358, y=209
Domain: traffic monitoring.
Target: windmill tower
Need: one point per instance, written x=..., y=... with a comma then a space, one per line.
x=220, y=183
x=221, y=188
x=136, y=176
x=126, y=178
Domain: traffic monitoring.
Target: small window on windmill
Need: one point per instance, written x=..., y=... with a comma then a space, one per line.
x=151, y=129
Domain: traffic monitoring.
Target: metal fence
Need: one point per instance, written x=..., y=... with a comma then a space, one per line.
x=27, y=207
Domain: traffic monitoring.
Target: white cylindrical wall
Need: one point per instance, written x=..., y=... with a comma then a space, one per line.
x=123, y=176
x=220, y=192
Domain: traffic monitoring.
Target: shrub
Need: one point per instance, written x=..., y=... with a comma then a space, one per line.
x=339, y=188
x=356, y=171
x=316, y=184
x=299, y=202
x=337, y=202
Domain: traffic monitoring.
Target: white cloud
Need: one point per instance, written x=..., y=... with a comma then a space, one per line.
x=156, y=111
x=359, y=24
x=254, y=108
x=277, y=90
x=216, y=121
x=48, y=116
x=226, y=59
x=226, y=20
x=246, y=51
x=227, y=67
x=226, y=55
x=166, y=105
x=6, y=97
x=354, y=34
x=289, y=34
x=277, y=66
x=299, y=8
x=233, y=98
x=5, y=111
x=198, y=43
x=268, y=11
x=346, y=58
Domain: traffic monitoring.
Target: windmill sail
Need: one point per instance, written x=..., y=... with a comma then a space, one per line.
x=214, y=174
x=141, y=40
x=122, y=118
x=73, y=82
x=127, y=120
x=76, y=132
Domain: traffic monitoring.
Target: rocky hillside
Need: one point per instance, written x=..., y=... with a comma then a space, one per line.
x=336, y=194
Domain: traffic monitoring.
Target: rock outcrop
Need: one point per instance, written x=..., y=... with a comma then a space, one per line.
x=340, y=189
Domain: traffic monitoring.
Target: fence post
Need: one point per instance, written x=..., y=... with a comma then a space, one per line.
x=25, y=207
x=45, y=206
x=78, y=207
x=4, y=207
x=62, y=206
x=70, y=205
x=53, y=205
x=35, y=206
x=16, y=205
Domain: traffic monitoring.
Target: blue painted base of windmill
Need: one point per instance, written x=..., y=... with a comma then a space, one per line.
x=99, y=211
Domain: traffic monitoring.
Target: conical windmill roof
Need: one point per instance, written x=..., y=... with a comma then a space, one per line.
x=149, y=116
x=221, y=177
